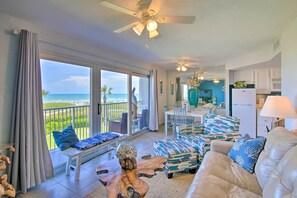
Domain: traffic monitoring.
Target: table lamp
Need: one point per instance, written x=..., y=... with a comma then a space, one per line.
x=278, y=107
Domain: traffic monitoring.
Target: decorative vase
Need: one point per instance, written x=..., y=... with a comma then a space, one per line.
x=193, y=95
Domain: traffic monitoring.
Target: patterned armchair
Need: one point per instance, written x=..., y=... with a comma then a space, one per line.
x=215, y=127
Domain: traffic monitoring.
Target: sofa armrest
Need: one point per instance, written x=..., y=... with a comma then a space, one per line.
x=189, y=129
x=221, y=146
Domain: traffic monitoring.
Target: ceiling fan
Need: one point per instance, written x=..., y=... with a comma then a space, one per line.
x=182, y=67
x=147, y=11
x=184, y=64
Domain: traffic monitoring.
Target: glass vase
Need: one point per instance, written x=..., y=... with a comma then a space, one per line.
x=193, y=95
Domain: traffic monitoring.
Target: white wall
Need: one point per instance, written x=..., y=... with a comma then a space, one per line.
x=8, y=61
x=171, y=77
x=289, y=67
x=161, y=97
x=52, y=44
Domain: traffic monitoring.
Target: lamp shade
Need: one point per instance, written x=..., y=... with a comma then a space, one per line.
x=278, y=107
x=138, y=28
x=153, y=34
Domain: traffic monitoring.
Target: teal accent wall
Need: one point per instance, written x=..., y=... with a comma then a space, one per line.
x=216, y=89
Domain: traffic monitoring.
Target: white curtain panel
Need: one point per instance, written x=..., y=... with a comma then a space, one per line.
x=31, y=163
x=154, y=118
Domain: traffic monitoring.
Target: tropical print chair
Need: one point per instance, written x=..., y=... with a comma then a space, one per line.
x=215, y=127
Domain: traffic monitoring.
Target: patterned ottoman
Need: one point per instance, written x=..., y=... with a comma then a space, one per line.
x=180, y=156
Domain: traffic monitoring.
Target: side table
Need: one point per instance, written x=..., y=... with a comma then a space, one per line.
x=122, y=183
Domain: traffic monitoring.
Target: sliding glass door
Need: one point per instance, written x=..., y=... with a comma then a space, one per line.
x=114, y=102
x=140, y=104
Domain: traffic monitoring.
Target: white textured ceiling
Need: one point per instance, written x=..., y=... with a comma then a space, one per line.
x=223, y=30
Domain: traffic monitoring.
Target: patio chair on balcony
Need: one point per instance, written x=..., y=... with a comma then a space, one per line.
x=119, y=126
x=144, y=118
x=141, y=122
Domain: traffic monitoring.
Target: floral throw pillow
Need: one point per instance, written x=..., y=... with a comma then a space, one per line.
x=245, y=152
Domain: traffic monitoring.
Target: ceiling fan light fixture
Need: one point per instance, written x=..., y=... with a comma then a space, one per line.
x=201, y=77
x=153, y=34
x=138, y=29
x=151, y=25
x=181, y=68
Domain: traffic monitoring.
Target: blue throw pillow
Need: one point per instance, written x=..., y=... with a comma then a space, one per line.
x=245, y=152
x=66, y=138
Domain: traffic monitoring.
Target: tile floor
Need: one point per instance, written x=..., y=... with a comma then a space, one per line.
x=62, y=186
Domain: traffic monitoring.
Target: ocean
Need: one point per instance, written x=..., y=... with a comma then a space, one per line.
x=83, y=98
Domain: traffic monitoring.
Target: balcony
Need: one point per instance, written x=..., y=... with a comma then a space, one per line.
x=56, y=119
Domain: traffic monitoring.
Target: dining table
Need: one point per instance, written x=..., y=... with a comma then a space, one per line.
x=200, y=113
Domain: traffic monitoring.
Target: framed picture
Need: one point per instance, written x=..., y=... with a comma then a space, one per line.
x=171, y=88
x=161, y=87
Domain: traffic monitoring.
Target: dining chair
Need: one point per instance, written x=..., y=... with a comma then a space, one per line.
x=180, y=118
x=169, y=120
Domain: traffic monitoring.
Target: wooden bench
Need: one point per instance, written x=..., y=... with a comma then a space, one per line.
x=72, y=153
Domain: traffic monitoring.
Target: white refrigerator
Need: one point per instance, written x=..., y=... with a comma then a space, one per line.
x=244, y=108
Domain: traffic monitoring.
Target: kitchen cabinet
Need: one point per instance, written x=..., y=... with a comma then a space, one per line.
x=262, y=80
x=275, y=76
x=275, y=73
x=265, y=79
x=245, y=75
x=262, y=122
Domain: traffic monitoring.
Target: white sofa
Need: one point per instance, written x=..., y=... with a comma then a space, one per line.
x=275, y=171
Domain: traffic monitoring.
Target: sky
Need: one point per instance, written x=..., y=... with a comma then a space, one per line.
x=62, y=78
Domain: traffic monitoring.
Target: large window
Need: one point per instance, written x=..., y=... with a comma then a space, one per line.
x=66, y=98
x=71, y=96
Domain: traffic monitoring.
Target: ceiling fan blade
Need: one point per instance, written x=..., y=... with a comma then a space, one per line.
x=118, y=8
x=176, y=19
x=155, y=6
x=122, y=29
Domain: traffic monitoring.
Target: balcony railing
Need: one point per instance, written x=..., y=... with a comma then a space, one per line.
x=56, y=119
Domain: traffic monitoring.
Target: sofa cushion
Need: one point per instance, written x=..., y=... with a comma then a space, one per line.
x=245, y=152
x=279, y=141
x=94, y=141
x=283, y=180
x=222, y=166
x=206, y=185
